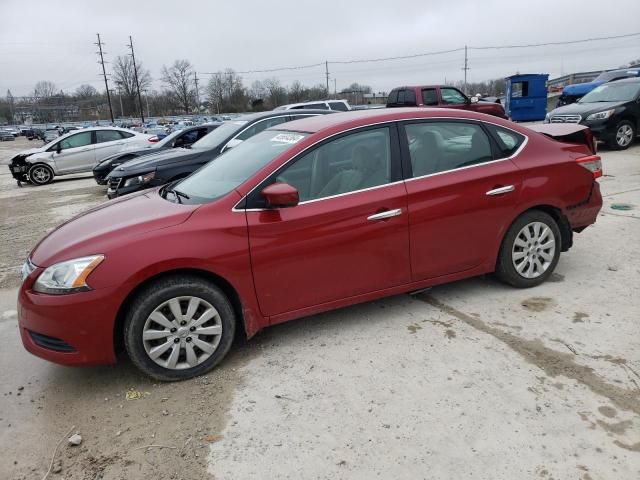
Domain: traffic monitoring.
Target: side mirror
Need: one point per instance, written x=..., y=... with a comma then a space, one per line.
x=281, y=195
x=58, y=147
x=473, y=99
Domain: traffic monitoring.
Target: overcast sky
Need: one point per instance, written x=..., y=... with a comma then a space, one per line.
x=53, y=40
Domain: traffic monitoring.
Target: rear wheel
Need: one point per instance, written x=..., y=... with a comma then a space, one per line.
x=624, y=135
x=40, y=174
x=530, y=250
x=178, y=328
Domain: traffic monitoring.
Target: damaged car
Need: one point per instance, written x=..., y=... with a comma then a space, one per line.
x=76, y=152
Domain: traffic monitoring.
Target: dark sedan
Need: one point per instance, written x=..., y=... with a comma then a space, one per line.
x=160, y=168
x=180, y=138
x=611, y=111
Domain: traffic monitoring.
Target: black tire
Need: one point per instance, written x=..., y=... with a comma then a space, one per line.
x=506, y=270
x=40, y=174
x=155, y=295
x=619, y=141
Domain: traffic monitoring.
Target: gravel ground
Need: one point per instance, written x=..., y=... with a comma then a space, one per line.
x=469, y=380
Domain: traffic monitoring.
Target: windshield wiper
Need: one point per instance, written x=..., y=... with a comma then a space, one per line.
x=177, y=193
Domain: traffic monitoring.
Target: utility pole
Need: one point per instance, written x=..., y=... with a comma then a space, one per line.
x=135, y=73
x=195, y=77
x=335, y=88
x=121, y=109
x=146, y=97
x=466, y=67
x=104, y=74
x=326, y=70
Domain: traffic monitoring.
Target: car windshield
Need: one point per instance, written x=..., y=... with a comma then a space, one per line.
x=612, y=92
x=168, y=139
x=219, y=135
x=606, y=76
x=235, y=166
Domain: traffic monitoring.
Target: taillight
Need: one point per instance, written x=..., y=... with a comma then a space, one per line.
x=154, y=139
x=593, y=163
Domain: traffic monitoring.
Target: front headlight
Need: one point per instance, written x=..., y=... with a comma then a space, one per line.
x=67, y=277
x=601, y=115
x=139, y=180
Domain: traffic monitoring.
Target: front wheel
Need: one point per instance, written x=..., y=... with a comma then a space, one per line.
x=178, y=328
x=624, y=135
x=40, y=174
x=530, y=250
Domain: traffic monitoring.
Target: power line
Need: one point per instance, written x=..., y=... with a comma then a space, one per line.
x=269, y=70
x=547, y=44
x=428, y=54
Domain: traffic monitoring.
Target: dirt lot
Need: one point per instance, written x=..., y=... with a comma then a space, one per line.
x=470, y=380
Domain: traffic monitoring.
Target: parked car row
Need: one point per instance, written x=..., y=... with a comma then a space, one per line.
x=127, y=161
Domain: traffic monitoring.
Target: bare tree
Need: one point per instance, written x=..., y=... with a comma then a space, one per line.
x=297, y=92
x=84, y=92
x=179, y=81
x=44, y=89
x=226, y=93
x=125, y=80
x=277, y=94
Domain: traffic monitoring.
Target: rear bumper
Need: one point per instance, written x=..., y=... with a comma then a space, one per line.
x=76, y=329
x=585, y=213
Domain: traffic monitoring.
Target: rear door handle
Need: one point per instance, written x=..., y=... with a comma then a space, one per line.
x=385, y=215
x=501, y=190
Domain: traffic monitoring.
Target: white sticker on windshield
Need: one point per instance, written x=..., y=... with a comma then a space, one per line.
x=290, y=138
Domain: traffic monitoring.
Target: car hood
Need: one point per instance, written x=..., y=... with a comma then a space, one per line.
x=93, y=231
x=147, y=163
x=585, y=108
x=580, y=88
x=31, y=151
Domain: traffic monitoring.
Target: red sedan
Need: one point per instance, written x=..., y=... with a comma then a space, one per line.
x=306, y=217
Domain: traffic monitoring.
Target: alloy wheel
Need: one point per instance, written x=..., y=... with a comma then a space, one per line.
x=41, y=175
x=624, y=135
x=533, y=250
x=182, y=332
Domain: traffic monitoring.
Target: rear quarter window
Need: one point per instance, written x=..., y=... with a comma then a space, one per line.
x=508, y=141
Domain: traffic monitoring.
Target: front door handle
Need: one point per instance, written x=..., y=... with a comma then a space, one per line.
x=385, y=215
x=501, y=190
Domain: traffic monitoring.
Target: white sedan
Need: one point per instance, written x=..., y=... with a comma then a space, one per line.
x=76, y=152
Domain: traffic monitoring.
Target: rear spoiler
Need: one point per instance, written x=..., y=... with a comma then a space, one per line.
x=568, y=133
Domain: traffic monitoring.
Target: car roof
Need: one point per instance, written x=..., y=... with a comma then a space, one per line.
x=274, y=113
x=625, y=80
x=358, y=118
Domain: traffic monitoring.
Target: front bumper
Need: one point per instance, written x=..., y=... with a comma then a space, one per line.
x=100, y=177
x=75, y=329
x=19, y=170
x=603, y=130
x=116, y=186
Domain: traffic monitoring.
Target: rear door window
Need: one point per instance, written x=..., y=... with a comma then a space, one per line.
x=429, y=96
x=338, y=106
x=103, y=136
x=436, y=147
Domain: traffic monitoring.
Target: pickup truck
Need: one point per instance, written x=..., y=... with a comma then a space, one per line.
x=441, y=96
